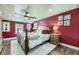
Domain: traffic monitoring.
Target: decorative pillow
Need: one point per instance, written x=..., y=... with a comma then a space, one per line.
x=34, y=37
x=39, y=31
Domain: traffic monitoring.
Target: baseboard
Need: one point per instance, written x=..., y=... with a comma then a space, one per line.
x=9, y=38
x=63, y=44
x=72, y=47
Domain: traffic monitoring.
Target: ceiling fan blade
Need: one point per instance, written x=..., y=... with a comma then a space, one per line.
x=30, y=17
x=24, y=15
x=19, y=14
x=33, y=17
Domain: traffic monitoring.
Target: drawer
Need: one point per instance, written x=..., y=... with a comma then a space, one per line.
x=56, y=37
x=54, y=40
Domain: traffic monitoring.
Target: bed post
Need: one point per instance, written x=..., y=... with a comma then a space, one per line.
x=26, y=43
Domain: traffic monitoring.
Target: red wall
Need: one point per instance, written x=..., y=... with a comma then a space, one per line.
x=70, y=34
x=12, y=29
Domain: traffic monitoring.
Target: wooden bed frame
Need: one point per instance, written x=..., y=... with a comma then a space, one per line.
x=24, y=45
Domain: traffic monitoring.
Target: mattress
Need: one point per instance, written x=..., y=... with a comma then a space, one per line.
x=40, y=40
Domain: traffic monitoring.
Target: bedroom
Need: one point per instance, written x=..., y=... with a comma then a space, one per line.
x=39, y=29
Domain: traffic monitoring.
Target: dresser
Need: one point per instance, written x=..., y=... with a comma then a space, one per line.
x=55, y=39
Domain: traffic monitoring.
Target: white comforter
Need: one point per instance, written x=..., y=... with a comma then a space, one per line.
x=34, y=42
x=39, y=40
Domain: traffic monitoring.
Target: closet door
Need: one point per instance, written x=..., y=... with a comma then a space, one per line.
x=0, y=30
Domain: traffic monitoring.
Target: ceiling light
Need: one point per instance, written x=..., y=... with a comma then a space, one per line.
x=50, y=10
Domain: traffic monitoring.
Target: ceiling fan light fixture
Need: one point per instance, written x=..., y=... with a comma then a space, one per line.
x=26, y=18
x=28, y=14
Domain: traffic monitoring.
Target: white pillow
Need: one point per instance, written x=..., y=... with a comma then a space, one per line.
x=31, y=35
x=34, y=37
x=39, y=31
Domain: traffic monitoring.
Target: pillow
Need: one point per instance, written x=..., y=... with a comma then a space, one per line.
x=34, y=37
x=45, y=32
x=30, y=35
x=39, y=31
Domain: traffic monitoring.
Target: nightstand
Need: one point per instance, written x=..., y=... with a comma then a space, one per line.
x=55, y=39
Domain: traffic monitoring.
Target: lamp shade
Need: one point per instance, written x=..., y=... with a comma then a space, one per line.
x=55, y=28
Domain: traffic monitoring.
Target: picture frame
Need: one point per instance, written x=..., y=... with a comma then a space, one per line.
x=60, y=20
x=6, y=26
x=67, y=23
x=67, y=19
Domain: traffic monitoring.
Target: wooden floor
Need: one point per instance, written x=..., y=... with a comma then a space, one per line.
x=6, y=48
x=58, y=51
x=64, y=51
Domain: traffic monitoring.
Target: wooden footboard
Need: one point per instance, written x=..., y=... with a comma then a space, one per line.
x=26, y=46
x=23, y=43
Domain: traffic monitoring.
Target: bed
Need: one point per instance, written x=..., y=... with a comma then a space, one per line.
x=34, y=39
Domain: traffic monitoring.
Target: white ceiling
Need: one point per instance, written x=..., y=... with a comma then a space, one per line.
x=8, y=11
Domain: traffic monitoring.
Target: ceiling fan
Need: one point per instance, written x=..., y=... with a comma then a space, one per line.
x=26, y=15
